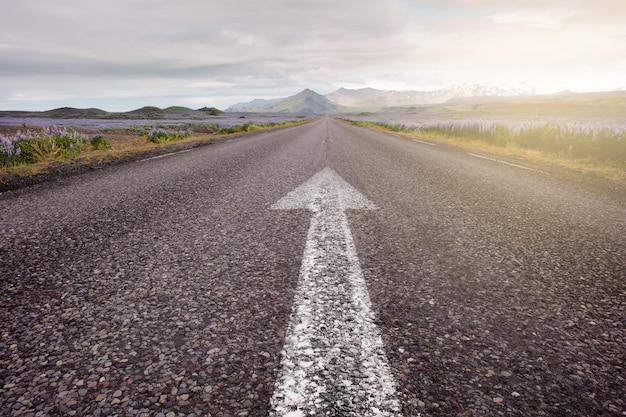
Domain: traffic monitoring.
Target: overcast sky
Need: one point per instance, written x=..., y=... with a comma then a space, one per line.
x=124, y=54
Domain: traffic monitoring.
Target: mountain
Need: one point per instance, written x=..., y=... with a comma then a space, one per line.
x=306, y=101
x=249, y=106
x=372, y=99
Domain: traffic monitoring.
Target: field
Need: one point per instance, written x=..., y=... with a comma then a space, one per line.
x=593, y=146
x=35, y=146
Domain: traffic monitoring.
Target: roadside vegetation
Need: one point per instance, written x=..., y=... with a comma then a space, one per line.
x=251, y=126
x=50, y=143
x=161, y=135
x=29, y=150
x=589, y=148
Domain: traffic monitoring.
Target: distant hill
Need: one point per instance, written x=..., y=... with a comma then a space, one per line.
x=72, y=113
x=212, y=111
x=147, y=112
x=176, y=109
x=581, y=106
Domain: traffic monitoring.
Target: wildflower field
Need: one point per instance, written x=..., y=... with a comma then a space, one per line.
x=49, y=143
x=595, y=144
x=25, y=141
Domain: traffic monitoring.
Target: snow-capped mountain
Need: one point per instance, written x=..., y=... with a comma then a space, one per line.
x=376, y=99
x=372, y=99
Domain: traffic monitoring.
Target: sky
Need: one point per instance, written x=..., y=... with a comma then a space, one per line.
x=120, y=55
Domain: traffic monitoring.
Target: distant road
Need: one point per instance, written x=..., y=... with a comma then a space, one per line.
x=456, y=285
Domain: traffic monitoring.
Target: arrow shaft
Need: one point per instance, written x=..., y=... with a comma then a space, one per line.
x=333, y=361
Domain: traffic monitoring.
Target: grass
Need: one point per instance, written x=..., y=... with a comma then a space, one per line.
x=251, y=126
x=49, y=144
x=608, y=168
x=163, y=135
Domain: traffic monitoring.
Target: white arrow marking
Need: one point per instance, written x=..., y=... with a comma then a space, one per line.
x=333, y=362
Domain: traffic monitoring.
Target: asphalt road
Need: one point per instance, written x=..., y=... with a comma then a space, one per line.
x=165, y=287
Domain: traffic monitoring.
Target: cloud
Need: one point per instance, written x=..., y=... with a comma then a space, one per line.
x=193, y=48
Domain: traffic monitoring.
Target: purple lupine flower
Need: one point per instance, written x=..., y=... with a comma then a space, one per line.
x=7, y=146
x=5, y=141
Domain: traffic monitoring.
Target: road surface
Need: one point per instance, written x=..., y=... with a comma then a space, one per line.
x=214, y=282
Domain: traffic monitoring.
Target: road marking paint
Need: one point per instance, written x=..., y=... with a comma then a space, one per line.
x=415, y=140
x=164, y=155
x=505, y=162
x=424, y=142
x=333, y=361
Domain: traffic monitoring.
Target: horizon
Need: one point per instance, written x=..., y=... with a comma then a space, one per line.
x=167, y=106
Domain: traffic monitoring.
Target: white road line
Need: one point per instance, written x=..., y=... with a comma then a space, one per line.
x=415, y=140
x=164, y=155
x=505, y=162
x=424, y=142
x=333, y=361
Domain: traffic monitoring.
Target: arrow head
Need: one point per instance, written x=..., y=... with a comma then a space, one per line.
x=306, y=196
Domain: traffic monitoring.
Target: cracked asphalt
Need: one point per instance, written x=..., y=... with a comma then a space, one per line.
x=164, y=287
